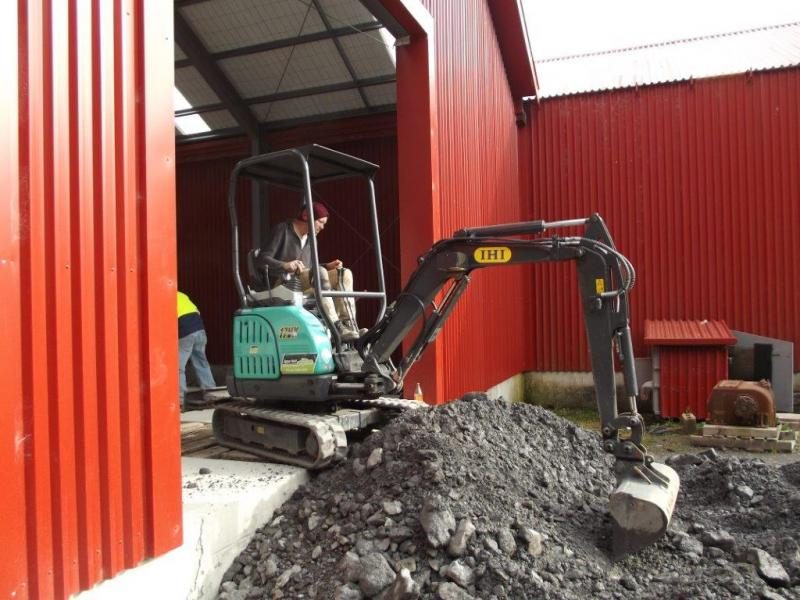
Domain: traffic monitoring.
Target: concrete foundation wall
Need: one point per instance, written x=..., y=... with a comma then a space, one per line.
x=512, y=389
x=574, y=389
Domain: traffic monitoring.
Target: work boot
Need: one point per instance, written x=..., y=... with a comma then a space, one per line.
x=351, y=324
x=348, y=334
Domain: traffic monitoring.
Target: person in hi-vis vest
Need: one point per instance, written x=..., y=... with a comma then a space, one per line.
x=192, y=345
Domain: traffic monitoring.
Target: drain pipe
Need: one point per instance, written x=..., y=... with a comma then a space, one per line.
x=656, y=380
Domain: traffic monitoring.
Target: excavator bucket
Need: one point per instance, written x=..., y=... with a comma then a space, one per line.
x=641, y=507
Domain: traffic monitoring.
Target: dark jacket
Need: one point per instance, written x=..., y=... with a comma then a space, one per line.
x=283, y=246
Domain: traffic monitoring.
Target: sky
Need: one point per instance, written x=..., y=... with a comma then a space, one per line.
x=565, y=27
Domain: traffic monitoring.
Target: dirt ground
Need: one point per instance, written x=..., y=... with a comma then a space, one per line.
x=665, y=438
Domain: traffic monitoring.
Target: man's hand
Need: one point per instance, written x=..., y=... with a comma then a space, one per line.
x=334, y=264
x=294, y=266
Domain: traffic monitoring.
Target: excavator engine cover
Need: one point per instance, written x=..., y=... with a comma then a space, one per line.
x=742, y=404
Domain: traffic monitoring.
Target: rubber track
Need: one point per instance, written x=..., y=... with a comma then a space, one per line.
x=331, y=438
x=386, y=403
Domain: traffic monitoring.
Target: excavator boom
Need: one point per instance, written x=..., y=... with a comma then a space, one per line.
x=643, y=501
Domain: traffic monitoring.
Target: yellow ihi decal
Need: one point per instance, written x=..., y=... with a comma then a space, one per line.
x=492, y=254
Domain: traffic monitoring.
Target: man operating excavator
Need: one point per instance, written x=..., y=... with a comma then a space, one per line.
x=288, y=253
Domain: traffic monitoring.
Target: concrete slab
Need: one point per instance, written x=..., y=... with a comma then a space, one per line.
x=221, y=511
x=197, y=416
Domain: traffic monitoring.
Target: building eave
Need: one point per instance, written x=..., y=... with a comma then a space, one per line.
x=512, y=35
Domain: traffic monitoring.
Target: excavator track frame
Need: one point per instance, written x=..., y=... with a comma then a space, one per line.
x=320, y=439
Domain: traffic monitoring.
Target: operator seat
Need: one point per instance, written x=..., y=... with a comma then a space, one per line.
x=258, y=288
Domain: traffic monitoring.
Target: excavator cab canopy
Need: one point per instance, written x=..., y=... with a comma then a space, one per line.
x=301, y=169
x=288, y=168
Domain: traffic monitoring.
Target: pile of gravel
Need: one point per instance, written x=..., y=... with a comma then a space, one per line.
x=482, y=499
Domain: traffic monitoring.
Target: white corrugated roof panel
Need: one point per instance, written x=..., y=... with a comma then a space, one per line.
x=341, y=13
x=727, y=54
x=255, y=74
x=193, y=87
x=228, y=24
x=311, y=65
x=381, y=95
x=309, y=106
x=369, y=54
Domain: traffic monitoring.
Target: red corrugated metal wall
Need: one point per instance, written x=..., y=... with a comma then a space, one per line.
x=700, y=186
x=688, y=374
x=487, y=338
x=204, y=246
x=90, y=440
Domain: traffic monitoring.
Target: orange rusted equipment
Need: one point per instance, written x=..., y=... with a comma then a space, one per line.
x=742, y=403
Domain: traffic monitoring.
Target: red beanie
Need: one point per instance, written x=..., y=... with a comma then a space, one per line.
x=320, y=212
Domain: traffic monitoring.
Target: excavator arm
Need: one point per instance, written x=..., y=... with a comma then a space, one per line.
x=645, y=496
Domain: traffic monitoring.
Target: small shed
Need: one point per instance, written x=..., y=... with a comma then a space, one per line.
x=689, y=358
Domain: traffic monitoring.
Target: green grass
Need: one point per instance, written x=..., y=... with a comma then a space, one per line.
x=671, y=441
x=585, y=417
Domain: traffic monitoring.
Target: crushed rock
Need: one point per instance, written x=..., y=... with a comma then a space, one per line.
x=483, y=499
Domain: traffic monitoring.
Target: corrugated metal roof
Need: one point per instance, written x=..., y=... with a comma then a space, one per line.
x=193, y=87
x=382, y=95
x=366, y=61
x=311, y=65
x=687, y=333
x=308, y=106
x=344, y=11
x=725, y=54
x=237, y=23
x=333, y=49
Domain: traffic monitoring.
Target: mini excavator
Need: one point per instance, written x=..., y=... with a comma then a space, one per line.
x=298, y=388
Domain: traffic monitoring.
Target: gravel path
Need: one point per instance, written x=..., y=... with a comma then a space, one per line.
x=482, y=499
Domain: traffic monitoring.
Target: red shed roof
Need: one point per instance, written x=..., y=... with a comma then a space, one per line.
x=687, y=333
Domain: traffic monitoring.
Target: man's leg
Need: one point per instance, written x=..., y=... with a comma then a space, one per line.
x=347, y=332
x=327, y=303
x=185, y=345
x=345, y=307
x=200, y=362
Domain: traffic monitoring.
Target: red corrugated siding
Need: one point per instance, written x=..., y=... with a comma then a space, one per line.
x=90, y=440
x=699, y=184
x=487, y=338
x=204, y=246
x=687, y=377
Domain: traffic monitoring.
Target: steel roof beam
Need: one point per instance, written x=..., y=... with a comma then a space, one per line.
x=214, y=134
x=301, y=93
x=376, y=8
x=307, y=38
x=214, y=77
x=233, y=131
x=344, y=114
x=181, y=3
